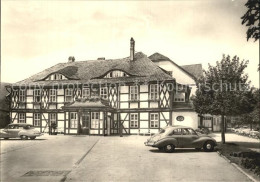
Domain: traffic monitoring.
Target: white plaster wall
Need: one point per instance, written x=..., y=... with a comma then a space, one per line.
x=143, y=96
x=29, y=120
x=134, y=105
x=180, y=76
x=60, y=99
x=143, y=88
x=124, y=97
x=153, y=104
x=143, y=104
x=190, y=119
x=144, y=124
x=123, y=89
x=60, y=92
x=144, y=116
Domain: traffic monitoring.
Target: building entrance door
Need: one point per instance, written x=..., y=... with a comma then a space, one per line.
x=85, y=123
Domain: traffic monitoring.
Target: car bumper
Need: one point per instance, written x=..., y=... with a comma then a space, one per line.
x=149, y=144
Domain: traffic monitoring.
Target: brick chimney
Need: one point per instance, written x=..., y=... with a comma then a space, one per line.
x=132, y=49
x=71, y=59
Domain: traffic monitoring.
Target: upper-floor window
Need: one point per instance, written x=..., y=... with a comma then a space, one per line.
x=154, y=120
x=37, y=119
x=154, y=92
x=21, y=118
x=179, y=97
x=37, y=95
x=133, y=120
x=68, y=95
x=85, y=92
x=116, y=73
x=22, y=95
x=56, y=76
x=103, y=92
x=53, y=95
x=134, y=92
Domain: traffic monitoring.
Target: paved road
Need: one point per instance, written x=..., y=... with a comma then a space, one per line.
x=126, y=159
x=53, y=153
x=111, y=159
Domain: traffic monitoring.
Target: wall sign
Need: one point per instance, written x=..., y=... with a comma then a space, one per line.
x=179, y=118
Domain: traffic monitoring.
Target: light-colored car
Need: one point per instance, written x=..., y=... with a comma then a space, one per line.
x=19, y=130
x=172, y=137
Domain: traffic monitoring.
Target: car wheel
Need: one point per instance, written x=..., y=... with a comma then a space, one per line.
x=209, y=146
x=32, y=138
x=169, y=148
x=23, y=137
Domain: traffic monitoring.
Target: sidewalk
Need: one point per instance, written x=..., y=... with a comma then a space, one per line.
x=244, y=141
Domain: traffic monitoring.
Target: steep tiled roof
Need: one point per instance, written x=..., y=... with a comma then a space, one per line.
x=141, y=69
x=194, y=69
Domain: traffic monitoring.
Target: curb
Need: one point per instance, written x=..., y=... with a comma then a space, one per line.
x=64, y=178
x=238, y=168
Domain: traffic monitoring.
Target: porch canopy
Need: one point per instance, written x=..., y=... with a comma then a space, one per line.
x=89, y=104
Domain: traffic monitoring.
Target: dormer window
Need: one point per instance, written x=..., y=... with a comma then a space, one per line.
x=56, y=76
x=116, y=74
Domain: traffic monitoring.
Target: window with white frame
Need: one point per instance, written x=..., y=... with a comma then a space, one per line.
x=53, y=95
x=73, y=120
x=37, y=119
x=103, y=92
x=37, y=95
x=134, y=92
x=22, y=95
x=154, y=92
x=95, y=120
x=85, y=92
x=133, y=120
x=56, y=76
x=154, y=120
x=179, y=97
x=21, y=118
x=68, y=95
x=53, y=118
x=116, y=73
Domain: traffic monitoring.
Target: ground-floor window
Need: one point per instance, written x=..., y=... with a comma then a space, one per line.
x=95, y=120
x=21, y=118
x=37, y=119
x=154, y=120
x=53, y=118
x=73, y=120
x=134, y=120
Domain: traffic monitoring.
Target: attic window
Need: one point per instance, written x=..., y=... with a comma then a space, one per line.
x=56, y=76
x=116, y=74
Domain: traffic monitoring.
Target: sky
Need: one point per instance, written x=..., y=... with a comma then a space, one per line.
x=36, y=35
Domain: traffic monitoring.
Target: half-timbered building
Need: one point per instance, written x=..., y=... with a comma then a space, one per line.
x=131, y=95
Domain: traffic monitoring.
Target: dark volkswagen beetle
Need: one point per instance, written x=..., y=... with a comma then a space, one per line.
x=172, y=137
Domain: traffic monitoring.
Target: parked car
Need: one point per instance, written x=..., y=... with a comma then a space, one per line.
x=19, y=130
x=172, y=137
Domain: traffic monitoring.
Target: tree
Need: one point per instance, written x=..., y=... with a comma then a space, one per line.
x=224, y=90
x=251, y=19
x=253, y=117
